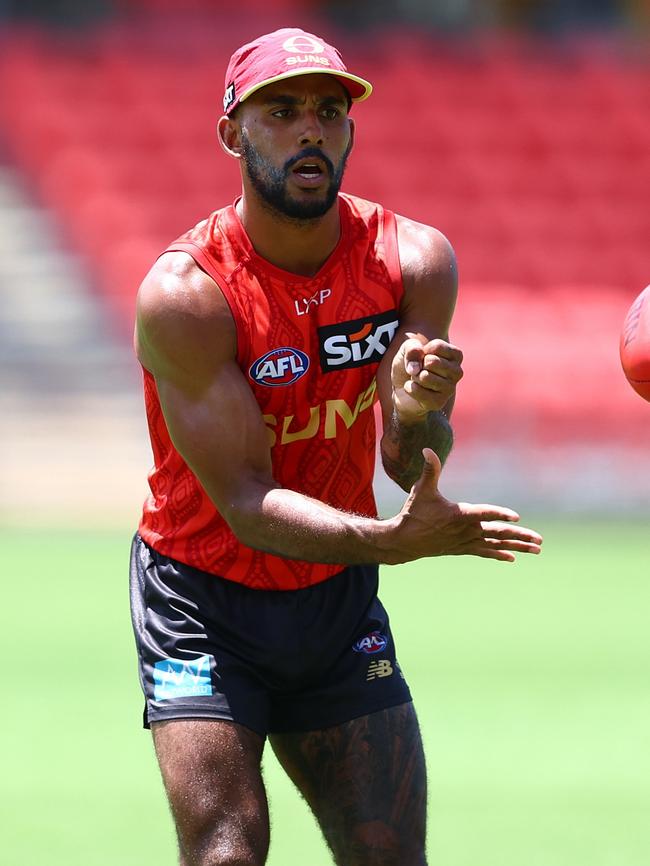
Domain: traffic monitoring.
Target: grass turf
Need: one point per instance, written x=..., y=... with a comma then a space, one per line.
x=531, y=683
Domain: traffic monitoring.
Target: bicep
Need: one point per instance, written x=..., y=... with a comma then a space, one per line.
x=186, y=338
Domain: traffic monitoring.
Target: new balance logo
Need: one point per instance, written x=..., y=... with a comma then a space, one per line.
x=179, y=678
x=381, y=668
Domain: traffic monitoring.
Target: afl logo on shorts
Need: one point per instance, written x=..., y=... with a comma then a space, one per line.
x=372, y=643
x=279, y=367
x=356, y=343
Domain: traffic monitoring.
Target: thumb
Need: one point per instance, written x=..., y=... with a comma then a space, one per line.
x=431, y=469
x=413, y=354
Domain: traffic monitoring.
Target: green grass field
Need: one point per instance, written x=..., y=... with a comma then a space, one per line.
x=532, y=683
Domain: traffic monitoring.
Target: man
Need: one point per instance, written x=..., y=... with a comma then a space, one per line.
x=266, y=334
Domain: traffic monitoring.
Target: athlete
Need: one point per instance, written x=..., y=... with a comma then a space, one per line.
x=266, y=334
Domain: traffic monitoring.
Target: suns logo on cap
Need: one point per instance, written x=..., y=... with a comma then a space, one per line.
x=303, y=45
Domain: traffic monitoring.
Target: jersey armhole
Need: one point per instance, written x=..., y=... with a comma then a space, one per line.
x=391, y=253
x=203, y=262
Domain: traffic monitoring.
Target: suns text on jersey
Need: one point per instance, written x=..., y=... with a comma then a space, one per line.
x=288, y=429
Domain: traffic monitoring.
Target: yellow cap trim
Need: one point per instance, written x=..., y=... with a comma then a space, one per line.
x=307, y=70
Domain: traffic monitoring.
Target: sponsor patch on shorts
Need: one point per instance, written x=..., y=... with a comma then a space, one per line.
x=182, y=678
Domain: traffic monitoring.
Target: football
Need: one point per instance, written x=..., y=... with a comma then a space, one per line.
x=635, y=345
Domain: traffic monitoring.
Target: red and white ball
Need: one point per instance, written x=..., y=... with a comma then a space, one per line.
x=635, y=345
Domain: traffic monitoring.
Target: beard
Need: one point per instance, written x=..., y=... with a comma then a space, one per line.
x=270, y=182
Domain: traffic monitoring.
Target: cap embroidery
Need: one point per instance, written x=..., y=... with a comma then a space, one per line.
x=303, y=44
x=229, y=97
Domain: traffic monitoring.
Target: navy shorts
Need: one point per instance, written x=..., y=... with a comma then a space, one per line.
x=274, y=661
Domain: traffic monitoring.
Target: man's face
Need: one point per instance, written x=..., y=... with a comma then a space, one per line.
x=295, y=138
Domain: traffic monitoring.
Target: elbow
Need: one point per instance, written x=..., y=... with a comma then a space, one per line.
x=243, y=519
x=244, y=514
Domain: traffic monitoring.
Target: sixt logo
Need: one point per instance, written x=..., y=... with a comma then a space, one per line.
x=372, y=643
x=179, y=678
x=279, y=367
x=355, y=343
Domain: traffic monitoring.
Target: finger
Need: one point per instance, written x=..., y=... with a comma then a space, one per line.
x=430, y=399
x=413, y=356
x=443, y=349
x=442, y=367
x=436, y=379
x=501, y=555
x=431, y=469
x=488, y=512
x=513, y=545
x=506, y=531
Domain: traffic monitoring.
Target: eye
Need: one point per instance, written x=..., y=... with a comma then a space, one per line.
x=282, y=112
x=330, y=112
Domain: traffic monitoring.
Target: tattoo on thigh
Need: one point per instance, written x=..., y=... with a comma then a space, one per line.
x=365, y=781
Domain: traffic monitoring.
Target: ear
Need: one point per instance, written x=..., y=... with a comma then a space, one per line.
x=228, y=133
x=352, y=131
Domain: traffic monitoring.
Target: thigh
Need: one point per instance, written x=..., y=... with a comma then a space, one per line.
x=365, y=781
x=211, y=772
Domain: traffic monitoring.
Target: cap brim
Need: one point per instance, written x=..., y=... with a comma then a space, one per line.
x=362, y=90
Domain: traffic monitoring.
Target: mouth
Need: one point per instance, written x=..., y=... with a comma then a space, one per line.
x=311, y=172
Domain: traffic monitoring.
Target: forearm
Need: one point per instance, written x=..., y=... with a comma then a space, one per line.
x=292, y=525
x=401, y=446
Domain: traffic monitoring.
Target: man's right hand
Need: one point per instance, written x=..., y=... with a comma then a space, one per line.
x=430, y=525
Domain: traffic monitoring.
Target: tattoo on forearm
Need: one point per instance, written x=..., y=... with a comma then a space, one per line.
x=401, y=446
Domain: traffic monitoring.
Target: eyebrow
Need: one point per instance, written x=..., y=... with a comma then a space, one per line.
x=285, y=99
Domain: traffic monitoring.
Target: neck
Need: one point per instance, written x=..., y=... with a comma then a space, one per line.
x=300, y=247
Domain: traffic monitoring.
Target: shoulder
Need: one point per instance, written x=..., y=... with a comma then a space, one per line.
x=181, y=316
x=425, y=253
x=429, y=275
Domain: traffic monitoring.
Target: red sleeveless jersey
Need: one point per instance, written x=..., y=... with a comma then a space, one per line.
x=309, y=348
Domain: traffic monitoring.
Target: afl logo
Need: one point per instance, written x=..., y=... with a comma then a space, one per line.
x=303, y=45
x=372, y=643
x=279, y=367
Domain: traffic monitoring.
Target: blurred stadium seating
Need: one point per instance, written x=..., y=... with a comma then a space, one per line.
x=532, y=157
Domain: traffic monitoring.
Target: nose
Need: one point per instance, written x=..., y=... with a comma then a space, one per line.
x=312, y=130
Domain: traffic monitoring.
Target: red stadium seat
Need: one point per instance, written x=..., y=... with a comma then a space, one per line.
x=535, y=167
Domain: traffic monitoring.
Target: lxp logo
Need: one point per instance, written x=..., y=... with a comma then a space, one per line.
x=372, y=643
x=279, y=367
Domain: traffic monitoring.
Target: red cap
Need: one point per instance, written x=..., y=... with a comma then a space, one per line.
x=284, y=54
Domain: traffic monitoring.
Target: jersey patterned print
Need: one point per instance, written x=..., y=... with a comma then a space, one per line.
x=309, y=348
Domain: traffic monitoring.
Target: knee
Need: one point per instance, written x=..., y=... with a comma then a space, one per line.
x=233, y=852
x=237, y=843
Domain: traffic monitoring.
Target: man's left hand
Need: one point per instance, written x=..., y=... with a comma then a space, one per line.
x=424, y=374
